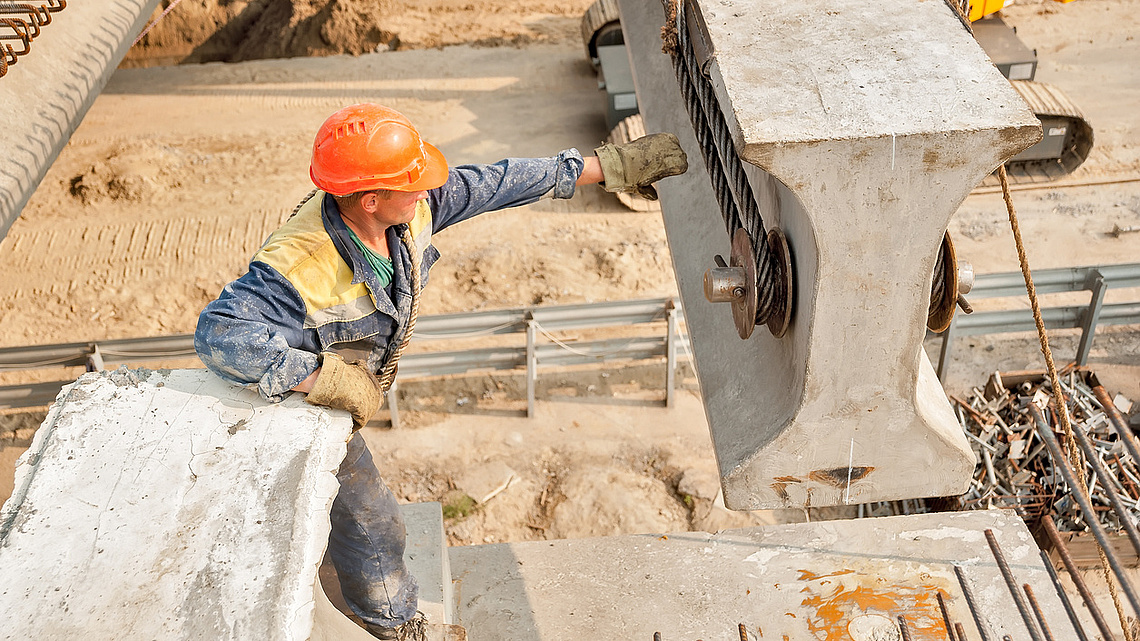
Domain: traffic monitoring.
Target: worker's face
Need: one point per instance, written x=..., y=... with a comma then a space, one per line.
x=393, y=207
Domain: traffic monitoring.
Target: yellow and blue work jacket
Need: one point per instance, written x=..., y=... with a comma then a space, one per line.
x=309, y=289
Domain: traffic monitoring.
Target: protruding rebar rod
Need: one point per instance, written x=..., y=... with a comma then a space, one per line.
x=1075, y=575
x=1036, y=607
x=743, y=632
x=904, y=629
x=946, y=617
x=961, y=630
x=1062, y=464
x=1108, y=486
x=1064, y=597
x=1007, y=574
x=1127, y=436
x=968, y=592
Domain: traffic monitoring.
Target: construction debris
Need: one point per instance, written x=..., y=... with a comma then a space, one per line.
x=1015, y=470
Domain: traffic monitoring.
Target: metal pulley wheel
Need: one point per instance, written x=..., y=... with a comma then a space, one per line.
x=952, y=280
x=735, y=283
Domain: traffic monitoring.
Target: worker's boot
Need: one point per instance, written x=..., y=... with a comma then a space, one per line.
x=418, y=629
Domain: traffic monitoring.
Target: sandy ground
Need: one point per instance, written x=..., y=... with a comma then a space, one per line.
x=178, y=173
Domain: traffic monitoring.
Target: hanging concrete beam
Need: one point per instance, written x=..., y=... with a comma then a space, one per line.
x=172, y=505
x=863, y=125
x=44, y=97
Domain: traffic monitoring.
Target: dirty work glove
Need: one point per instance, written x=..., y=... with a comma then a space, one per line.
x=346, y=386
x=635, y=166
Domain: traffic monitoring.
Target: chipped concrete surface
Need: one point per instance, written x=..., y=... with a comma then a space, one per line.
x=172, y=505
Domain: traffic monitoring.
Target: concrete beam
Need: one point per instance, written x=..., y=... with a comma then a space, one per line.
x=831, y=580
x=172, y=505
x=48, y=91
x=863, y=125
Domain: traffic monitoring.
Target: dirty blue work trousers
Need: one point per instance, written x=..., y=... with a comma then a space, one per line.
x=367, y=543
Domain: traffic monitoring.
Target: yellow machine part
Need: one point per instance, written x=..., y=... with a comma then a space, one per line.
x=983, y=8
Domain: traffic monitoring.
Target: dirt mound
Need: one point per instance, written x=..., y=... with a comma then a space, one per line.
x=131, y=172
x=198, y=31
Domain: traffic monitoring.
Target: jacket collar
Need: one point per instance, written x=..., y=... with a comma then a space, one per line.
x=362, y=272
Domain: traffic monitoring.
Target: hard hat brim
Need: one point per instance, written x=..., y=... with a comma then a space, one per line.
x=434, y=174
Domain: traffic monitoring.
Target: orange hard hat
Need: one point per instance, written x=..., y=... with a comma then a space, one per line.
x=368, y=146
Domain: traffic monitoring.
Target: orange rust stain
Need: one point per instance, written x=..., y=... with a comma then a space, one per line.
x=808, y=575
x=787, y=479
x=836, y=603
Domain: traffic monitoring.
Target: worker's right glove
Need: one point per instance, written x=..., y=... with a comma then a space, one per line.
x=346, y=386
x=635, y=166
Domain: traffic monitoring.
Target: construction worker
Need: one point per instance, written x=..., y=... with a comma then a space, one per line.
x=327, y=301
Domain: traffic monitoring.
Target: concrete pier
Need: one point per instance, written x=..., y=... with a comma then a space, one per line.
x=863, y=125
x=47, y=93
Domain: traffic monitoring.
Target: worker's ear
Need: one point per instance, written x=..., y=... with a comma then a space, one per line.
x=370, y=201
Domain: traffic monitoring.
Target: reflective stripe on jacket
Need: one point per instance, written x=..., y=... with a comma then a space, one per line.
x=309, y=289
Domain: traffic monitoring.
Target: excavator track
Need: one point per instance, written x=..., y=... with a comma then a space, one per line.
x=601, y=24
x=1050, y=160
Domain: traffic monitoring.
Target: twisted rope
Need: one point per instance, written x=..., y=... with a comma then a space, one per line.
x=388, y=373
x=1074, y=454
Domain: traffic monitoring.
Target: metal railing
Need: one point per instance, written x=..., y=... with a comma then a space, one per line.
x=543, y=320
x=533, y=322
x=1097, y=280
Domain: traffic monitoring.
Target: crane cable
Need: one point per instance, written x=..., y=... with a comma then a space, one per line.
x=1058, y=397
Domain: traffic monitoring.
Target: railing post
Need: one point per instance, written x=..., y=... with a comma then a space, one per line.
x=670, y=350
x=393, y=409
x=95, y=359
x=531, y=363
x=1092, y=315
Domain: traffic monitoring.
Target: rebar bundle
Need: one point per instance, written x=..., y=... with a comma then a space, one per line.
x=20, y=24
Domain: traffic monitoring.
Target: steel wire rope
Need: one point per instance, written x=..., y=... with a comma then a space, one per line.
x=62, y=360
x=155, y=22
x=486, y=331
x=182, y=353
x=738, y=207
x=387, y=373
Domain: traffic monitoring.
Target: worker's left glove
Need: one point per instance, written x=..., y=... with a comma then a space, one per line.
x=635, y=166
x=346, y=386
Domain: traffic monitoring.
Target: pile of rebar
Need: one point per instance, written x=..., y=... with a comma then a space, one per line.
x=20, y=24
x=1015, y=469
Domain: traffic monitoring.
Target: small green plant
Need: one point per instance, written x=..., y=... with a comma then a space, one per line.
x=687, y=500
x=457, y=505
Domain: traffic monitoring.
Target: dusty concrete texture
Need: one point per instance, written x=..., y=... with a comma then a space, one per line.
x=833, y=580
x=171, y=505
x=426, y=556
x=921, y=113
